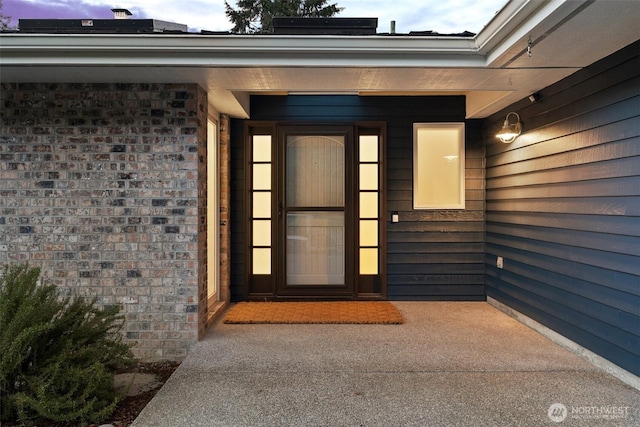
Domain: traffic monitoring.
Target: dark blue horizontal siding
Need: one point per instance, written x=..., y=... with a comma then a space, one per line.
x=435, y=255
x=618, y=262
x=597, y=343
x=618, y=225
x=580, y=295
x=563, y=209
x=608, y=279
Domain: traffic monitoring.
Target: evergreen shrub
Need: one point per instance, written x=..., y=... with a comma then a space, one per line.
x=58, y=354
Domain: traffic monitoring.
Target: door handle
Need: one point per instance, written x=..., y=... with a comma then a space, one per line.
x=280, y=209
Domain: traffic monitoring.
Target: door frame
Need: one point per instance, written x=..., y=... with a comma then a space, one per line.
x=282, y=289
x=264, y=287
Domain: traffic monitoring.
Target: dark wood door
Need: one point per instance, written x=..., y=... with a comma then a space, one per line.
x=315, y=222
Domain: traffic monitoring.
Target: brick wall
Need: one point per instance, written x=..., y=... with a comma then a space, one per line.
x=225, y=208
x=101, y=186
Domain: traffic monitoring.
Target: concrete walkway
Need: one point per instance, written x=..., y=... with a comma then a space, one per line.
x=449, y=364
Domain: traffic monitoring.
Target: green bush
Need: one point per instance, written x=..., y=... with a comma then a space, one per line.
x=58, y=355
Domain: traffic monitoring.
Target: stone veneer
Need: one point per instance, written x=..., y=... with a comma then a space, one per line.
x=103, y=186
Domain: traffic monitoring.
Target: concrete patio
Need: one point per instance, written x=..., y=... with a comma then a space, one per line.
x=449, y=364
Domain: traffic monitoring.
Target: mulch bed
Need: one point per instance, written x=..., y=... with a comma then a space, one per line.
x=129, y=407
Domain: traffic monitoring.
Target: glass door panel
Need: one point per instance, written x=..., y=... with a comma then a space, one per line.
x=315, y=248
x=315, y=210
x=315, y=171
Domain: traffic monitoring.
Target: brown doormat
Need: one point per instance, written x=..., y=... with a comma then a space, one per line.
x=381, y=312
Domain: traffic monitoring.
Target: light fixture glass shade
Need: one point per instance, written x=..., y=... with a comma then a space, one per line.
x=510, y=131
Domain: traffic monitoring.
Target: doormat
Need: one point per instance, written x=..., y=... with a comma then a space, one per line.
x=357, y=312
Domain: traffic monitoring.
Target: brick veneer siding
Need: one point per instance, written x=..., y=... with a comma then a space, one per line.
x=101, y=185
x=225, y=209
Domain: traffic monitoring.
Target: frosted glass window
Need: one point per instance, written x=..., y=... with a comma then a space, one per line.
x=261, y=260
x=262, y=233
x=315, y=171
x=438, y=166
x=368, y=212
x=368, y=148
x=262, y=177
x=368, y=177
x=261, y=208
x=368, y=233
x=368, y=205
x=315, y=248
x=262, y=148
x=262, y=204
x=368, y=261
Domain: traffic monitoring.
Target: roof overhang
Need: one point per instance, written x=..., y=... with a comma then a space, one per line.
x=493, y=69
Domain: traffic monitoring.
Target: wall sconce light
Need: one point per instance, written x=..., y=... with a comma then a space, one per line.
x=510, y=131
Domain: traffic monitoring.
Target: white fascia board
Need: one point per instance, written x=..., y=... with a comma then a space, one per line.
x=518, y=20
x=504, y=22
x=237, y=51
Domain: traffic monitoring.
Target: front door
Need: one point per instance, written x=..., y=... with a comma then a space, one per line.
x=315, y=203
x=315, y=213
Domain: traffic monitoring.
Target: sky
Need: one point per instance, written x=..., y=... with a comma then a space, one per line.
x=443, y=16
